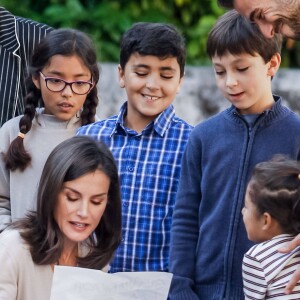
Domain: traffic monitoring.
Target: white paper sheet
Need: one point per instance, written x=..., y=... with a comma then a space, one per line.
x=70, y=283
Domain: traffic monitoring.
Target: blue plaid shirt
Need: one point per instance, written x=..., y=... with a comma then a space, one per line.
x=149, y=167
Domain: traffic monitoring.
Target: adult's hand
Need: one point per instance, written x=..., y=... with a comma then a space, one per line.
x=296, y=276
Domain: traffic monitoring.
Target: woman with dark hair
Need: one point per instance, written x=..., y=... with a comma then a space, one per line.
x=62, y=96
x=77, y=222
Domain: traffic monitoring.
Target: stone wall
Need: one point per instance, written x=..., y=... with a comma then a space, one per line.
x=198, y=98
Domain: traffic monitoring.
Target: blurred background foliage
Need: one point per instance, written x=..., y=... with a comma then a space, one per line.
x=106, y=20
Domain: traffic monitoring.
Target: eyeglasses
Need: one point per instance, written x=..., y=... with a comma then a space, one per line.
x=57, y=85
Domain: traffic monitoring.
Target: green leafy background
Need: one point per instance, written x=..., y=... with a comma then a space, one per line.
x=105, y=21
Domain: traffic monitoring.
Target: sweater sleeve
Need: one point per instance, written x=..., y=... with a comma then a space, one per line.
x=255, y=285
x=185, y=227
x=8, y=274
x=5, y=214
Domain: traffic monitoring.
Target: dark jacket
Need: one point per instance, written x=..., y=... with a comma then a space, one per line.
x=18, y=37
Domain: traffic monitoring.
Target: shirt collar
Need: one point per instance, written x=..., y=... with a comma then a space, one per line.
x=277, y=102
x=277, y=110
x=163, y=121
x=160, y=124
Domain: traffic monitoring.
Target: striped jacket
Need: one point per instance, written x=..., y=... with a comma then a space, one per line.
x=266, y=272
x=18, y=37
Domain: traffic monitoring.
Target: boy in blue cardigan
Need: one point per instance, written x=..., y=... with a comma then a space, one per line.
x=208, y=237
x=147, y=140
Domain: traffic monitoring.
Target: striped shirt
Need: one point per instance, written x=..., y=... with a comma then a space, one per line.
x=149, y=167
x=266, y=272
x=18, y=37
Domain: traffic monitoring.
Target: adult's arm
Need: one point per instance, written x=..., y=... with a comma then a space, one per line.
x=185, y=227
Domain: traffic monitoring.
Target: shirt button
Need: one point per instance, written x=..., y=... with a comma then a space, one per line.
x=130, y=169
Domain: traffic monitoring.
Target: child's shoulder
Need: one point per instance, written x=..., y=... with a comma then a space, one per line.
x=263, y=249
x=105, y=122
x=181, y=122
x=108, y=124
x=215, y=120
x=12, y=121
x=11, y=125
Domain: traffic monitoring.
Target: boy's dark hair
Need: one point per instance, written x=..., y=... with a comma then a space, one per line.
x=71, y=159
x=226, y=3
x=66, y=42
x=275, y=188
x=157, y=39
x=234, y=34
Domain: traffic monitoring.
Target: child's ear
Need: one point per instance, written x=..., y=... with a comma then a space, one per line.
x=179, y=85
x=274, y=64
x=121, y=76
x=267, y=221
x=36, y=81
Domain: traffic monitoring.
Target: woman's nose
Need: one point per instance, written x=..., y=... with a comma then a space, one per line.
x=83, y=209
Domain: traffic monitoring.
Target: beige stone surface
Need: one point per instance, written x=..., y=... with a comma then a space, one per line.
x=198, y=98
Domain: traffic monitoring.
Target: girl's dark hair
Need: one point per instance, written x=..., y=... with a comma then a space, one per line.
x=234, y=34
x=68, y=161
x=157, y=39
x=66, y=42
x=275, y=188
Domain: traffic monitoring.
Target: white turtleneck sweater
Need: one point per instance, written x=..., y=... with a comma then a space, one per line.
x=18, y=189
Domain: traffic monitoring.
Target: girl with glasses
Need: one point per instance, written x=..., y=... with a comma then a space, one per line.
x=62, y=96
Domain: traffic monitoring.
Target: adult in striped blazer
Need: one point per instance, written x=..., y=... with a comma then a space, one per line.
x=18, y=38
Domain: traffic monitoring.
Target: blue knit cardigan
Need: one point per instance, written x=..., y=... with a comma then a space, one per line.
x=208, y=237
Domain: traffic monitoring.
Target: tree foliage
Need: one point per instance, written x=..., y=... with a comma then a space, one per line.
x=106, y=20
